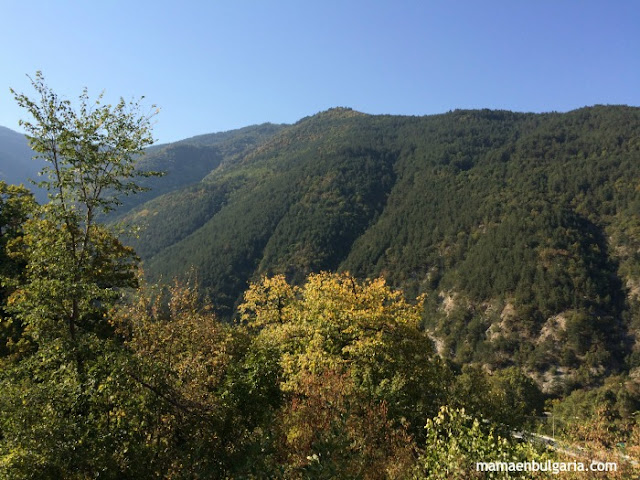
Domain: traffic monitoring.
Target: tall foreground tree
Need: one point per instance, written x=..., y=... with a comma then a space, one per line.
x=63, y=404
x=73, y=263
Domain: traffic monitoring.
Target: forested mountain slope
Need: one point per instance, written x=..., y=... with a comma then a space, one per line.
x=522, y=229
x=188, y=161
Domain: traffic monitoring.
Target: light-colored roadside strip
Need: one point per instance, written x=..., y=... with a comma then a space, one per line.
x=572, y=451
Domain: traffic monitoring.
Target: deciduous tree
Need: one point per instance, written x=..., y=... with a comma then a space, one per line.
x=69, y=409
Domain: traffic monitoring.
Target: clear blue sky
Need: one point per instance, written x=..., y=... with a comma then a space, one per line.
x=217, y=65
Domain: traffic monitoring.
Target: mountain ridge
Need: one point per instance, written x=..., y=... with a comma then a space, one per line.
x=522, y=229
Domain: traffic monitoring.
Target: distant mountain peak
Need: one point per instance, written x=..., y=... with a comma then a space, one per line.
x=334, y=113
x=342, y=112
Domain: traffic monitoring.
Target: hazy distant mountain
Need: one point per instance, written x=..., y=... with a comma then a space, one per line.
x=522, y=229
x=16, y=162
x=183, y=162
